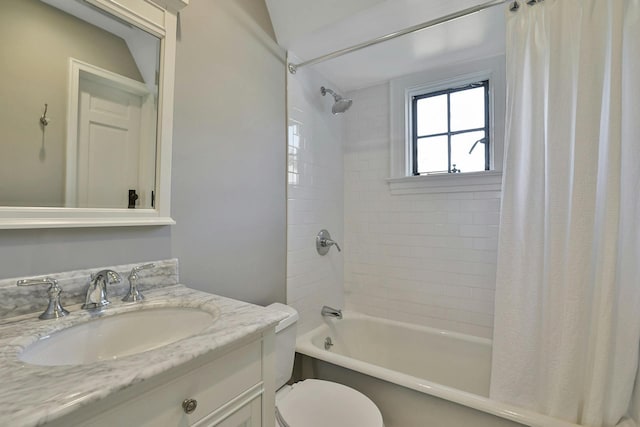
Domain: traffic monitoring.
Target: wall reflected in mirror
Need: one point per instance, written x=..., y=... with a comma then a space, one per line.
x=97, y=76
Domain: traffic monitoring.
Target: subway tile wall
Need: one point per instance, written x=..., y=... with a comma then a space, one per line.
x=315, y=198
x=427, y=259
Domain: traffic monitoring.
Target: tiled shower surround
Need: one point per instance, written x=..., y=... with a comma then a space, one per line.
x=428, y=259
x=315, y=199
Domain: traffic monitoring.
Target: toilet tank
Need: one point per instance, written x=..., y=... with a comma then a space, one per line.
x=285, y=343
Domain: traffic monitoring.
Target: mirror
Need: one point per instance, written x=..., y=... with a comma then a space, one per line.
x=85, y=111
x=78, y=110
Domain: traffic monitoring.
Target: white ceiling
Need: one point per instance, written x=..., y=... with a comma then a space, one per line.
x=294, y=19
x=345, y=23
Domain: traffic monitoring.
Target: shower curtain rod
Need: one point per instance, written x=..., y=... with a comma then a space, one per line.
x=294, y=67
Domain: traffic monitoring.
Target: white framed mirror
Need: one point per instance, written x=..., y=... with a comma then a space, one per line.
x=86, y=111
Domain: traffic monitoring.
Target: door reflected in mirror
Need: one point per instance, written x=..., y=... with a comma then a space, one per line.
x=96, y=77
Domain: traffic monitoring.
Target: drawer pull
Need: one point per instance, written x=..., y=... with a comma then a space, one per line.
x=189, y=405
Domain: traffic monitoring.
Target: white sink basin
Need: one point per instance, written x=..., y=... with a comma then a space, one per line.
x=116, y=336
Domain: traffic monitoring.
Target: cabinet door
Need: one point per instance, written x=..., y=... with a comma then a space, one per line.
x=249, y=415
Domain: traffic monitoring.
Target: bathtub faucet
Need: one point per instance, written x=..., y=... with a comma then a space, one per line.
x=331, y=312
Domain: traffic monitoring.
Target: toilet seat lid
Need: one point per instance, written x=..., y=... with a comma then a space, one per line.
x=317, y=403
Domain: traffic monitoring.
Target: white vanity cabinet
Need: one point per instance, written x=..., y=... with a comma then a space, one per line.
x=230, y=388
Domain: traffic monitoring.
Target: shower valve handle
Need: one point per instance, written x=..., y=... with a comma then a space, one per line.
x=329, y=242
x=324, y=242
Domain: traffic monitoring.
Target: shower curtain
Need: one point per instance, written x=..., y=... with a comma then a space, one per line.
x=567, y=322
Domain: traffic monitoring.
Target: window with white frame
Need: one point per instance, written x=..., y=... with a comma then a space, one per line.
x=447, y=127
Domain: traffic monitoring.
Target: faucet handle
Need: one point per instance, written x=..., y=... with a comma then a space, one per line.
x=134, y=270
x=54, y=310
x=330, y=242
x=324, y=242
x=134, y=295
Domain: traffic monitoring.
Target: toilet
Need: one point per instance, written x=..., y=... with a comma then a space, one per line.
x=314, y=403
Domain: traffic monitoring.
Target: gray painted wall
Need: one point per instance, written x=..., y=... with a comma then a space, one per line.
x=25, y=252
x=228, y=169
x=229, y=152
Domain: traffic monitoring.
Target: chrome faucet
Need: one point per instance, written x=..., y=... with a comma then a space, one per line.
x=97, y=290
x=134, y=295
x=331, y=312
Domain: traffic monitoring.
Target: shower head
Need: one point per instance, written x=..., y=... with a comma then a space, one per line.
x=341, y=104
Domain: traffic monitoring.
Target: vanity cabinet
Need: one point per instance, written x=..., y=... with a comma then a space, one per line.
x=248, y=415
x=233, y=388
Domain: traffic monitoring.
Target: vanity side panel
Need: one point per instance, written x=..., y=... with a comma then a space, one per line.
x=269, y=378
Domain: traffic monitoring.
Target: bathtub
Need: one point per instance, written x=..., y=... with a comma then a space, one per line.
x=417, y=376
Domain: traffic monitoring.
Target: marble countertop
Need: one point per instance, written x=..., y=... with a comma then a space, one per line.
x=31, y=395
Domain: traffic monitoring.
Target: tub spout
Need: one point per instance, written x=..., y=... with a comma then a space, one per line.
x=331, y=312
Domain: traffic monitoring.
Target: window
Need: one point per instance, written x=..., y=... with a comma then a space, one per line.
x=456, y=105
x=450, y=130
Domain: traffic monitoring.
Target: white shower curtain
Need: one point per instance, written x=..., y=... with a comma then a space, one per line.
x=567, y=323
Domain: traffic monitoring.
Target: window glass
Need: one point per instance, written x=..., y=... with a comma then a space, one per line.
x=433, y=153
x=467, y=109
x=461, y=145
x=432, y=115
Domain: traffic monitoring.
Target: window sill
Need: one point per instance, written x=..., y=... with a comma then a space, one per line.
x=446, y=183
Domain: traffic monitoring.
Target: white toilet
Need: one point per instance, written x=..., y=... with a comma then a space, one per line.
x=314, y=403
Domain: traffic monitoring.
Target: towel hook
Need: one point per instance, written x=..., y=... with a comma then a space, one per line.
x=44, y=120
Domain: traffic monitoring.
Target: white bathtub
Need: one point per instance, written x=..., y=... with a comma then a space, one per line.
x=417, y=376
